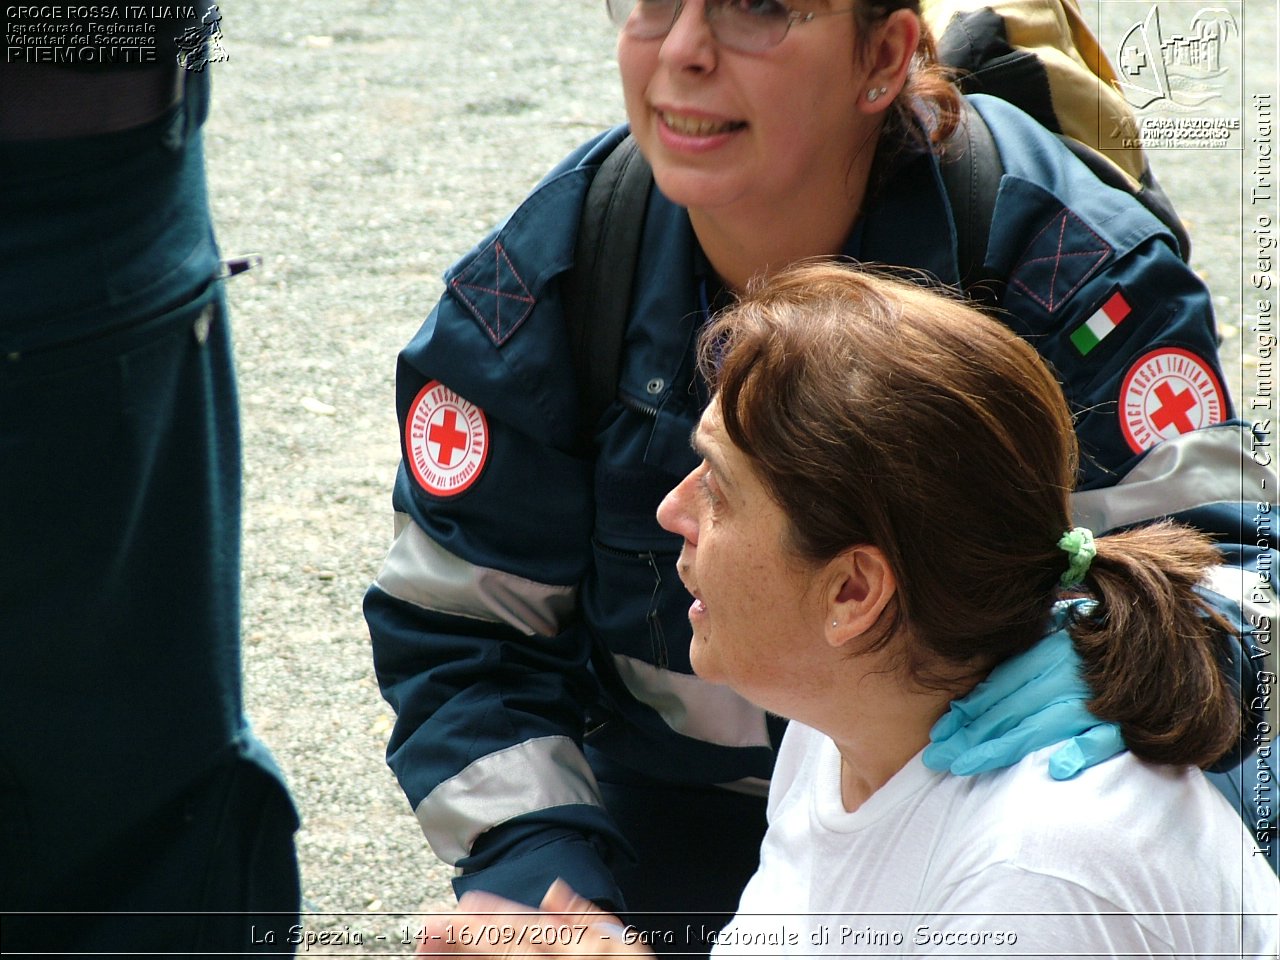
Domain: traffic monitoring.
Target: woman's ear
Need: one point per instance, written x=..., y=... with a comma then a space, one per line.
x=888, y=58
x=862, y=585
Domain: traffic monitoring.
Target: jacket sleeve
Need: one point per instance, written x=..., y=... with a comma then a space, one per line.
x=476, y=640
x=1100, y=290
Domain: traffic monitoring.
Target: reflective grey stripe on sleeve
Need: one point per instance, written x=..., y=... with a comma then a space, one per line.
x=534, y=775
x=420, y=571
x=1197, y=468
x=693, y=707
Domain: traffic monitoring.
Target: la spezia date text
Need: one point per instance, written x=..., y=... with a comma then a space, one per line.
x=496, y=934
x=454, y=935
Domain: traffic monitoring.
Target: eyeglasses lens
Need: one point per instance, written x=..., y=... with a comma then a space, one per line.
x=749, y=26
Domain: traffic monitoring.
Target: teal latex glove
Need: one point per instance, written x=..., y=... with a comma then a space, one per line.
x=1028, y=702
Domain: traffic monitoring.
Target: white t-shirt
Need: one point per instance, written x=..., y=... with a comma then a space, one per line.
x=1128, y=859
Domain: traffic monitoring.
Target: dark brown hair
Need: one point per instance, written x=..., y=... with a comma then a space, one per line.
x=930, y=100
x=878, y=411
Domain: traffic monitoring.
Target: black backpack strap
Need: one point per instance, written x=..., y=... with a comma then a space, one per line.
x=971, y=172
x=596, y=292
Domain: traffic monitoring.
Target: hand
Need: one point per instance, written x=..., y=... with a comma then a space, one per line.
x=1028, y=702
x=487, y=925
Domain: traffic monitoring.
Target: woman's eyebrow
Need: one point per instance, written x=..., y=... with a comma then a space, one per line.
x=702, y=449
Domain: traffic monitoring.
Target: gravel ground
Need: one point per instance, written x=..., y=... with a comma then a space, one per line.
x=360, y=146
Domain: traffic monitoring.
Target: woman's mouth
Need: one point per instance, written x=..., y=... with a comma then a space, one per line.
x=687, y=126
x=684, y=568
x=697, y=609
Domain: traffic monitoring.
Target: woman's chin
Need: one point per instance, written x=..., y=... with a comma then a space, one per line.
x=695, y=189
x=701, y=659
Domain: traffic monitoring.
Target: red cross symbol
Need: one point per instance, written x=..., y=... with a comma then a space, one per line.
x=1173, y=408
x=450, y=439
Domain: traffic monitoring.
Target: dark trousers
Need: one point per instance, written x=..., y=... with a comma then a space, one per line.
x=137, y=812
x=697, y=848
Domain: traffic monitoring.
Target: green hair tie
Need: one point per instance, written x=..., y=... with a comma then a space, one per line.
x=1079, y=546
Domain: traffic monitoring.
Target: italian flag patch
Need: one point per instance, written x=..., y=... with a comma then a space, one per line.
x=1094, y=330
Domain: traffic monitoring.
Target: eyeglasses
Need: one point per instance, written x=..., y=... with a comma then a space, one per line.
x=748, y=26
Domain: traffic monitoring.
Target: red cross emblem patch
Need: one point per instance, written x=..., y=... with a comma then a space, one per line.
x=1168, y=392
x=446, y=440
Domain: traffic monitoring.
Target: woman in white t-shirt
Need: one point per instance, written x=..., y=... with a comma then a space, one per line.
x=882, y=515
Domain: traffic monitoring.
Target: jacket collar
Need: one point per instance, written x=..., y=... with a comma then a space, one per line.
x=908, y=220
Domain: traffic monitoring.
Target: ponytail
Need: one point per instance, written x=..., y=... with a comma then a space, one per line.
x=929, y=103
x=1150, y=643
x=930, y=95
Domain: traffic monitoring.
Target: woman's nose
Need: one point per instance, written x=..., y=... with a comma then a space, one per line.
x=675, y=513
x=690, y=44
